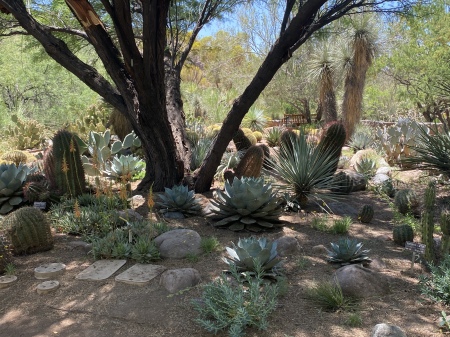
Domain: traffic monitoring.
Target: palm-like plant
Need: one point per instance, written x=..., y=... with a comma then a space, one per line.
x=322, y=68
x=306, y=168
x=363, y=45
x=254, y=119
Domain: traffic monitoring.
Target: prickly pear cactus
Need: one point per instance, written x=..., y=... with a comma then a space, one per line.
x=402, y=233
x=28, y=231
x=366, y=214
x=406, y=201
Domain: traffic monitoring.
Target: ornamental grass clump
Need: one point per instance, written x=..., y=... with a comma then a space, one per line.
x=247, y=203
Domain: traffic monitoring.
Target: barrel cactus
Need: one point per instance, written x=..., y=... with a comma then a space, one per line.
x=342, y=183
x=248, y=203
x=16, y=156
x=28, y=231
x=12, y=178
x=251, y=254
x=250, y=165
x=402, y=233
x=68, y=168
x=179, y=199
x=406, y=201
x=36, y=191
x=365, y=215
x=241, y=141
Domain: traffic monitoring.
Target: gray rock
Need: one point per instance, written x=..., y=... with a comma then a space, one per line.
x=80, y=245
x=319, y=249
x=386, y=330
x=130, y=215
x=359, y=181
x=178, y=243
x=360, y=282
x=342, y=208
x=287, y=245
x=384, y=170
x=377, y=264
x=178, y=279
x=379, y=178
x=137, y=201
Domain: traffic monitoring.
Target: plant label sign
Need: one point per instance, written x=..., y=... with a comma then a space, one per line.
x=415, y=247
x=40, y=205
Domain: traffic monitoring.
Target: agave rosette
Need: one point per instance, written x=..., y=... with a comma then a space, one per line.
x=247, y=203
x=12, y=178
x=251, y=253
x=347, y=251
x=179, y=199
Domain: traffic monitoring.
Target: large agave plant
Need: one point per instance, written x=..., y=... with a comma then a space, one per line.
x=347, y=251
x=247, y=203
x=12, y=178
x=360, y=141
x=306, y=169
x=253, y=255
x=179, y=199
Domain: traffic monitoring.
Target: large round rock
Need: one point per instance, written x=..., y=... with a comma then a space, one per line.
x=178, y=243
x=386, y=330
x=179, y=279
x=359, y=282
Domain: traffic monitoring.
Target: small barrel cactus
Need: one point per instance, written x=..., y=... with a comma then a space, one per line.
x=36, y=191
x=342, y=183
x=406, y=201
x=16, y=156
x=366, y=214
x=402, y=233
x=28, y=231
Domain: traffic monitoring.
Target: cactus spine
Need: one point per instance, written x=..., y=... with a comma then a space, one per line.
x=445, y=227
x=28, y=231
x=428, y=222
x=402, y=233
x=69, y=172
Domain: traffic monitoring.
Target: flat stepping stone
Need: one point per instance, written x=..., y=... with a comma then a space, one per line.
x=140, y=274
x=7, y=280
x=100, y=270
x=49, y=270
x=47, y=287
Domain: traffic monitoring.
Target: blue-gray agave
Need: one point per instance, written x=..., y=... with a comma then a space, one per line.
x=12, y=178
x=252, y=254
x=347, y=251
x=179, y=199
x=247, y=203
x=124, y=166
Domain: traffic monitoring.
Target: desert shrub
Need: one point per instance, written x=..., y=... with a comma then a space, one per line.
x=329, y=296
x=436, y=286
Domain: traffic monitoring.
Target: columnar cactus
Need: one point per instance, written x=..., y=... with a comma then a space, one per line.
x=28, y=231
x=333, y=139
x=428, y=222
x=69, y=172
x=251, y=163
x=445, y=227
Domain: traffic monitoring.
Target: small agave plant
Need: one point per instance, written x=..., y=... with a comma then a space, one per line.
x=247, y=203
x=253, y=255
x=347, y=251
x=12, y=178
x=179, y=199
x=123, y=166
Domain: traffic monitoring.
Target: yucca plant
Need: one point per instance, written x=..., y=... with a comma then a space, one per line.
x=199, y=151
x=252, y=255
x=347, y=251
x=432, y=151
x=306, y=168
x=273, y=136
x=179, y=199
x=254, y=119
x=247, y=203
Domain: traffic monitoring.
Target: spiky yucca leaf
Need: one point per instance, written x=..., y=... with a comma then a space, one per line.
x=179, y=199
x=247, y=203
x=347, y=251
x=252, y=253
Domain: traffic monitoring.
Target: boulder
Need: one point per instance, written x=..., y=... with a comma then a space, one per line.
x=360, y=282
x=386, y=330
x=384, y=170
x=137, y=201
x=362, y=154
x=178, y=243
x=287, y=245
x=175, y=280
x=379, y=178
